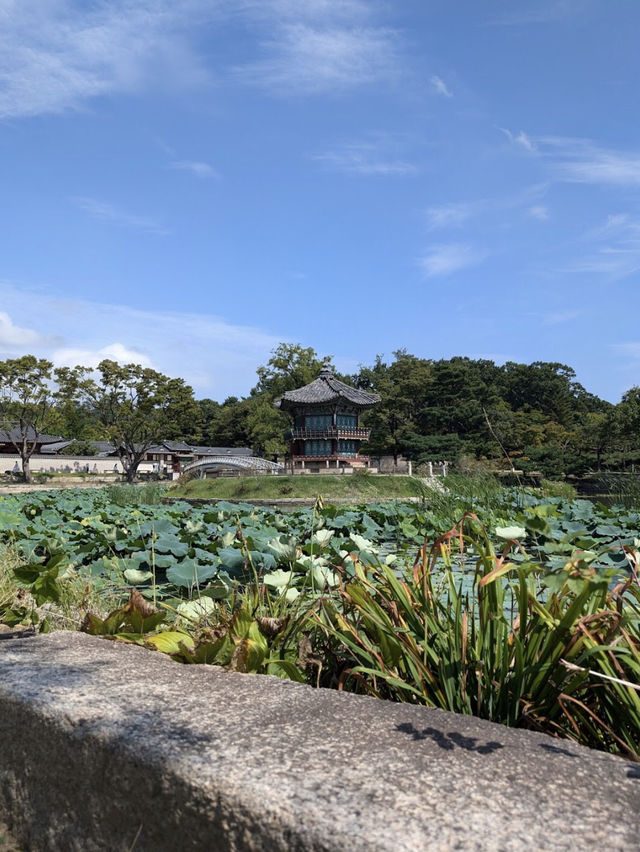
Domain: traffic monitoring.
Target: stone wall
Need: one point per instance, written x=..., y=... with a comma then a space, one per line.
x=105, y=746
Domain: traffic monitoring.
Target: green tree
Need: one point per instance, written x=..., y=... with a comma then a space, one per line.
x=137, y=407
x=290, y=366
x=403, y=386
x=25, y=402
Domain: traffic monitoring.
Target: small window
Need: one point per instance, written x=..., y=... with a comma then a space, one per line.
x=347, y=421
x=318, y=421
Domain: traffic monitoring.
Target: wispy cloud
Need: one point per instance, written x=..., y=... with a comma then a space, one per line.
x=519, y=139
x=195, y=167
x=582, y=161
x=539, y=212
x=440, y=87
x=56, y=55
x=375, y=159
x=305, y=59
x=105, y=212
x=444, y=259
x=452, y=215
x=613, y=249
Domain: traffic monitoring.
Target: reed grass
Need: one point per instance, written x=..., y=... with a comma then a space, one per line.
x=559, y=656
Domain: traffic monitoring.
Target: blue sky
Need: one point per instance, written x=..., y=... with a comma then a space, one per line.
x=187, y=184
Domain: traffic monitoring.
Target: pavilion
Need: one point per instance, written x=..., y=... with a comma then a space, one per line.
x=326, y=429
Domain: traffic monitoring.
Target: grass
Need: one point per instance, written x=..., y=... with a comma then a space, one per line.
x=18, y=607
x=149, y=494
x=355, y=487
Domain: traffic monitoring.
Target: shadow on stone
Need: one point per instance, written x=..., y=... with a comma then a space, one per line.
x=634, y=771
x=557, y=750
x=450, y=740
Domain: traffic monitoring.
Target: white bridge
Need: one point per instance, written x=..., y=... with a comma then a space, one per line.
x=251, y=463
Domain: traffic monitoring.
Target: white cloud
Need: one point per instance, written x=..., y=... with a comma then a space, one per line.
x=540, y=212
x=218, y=358
x=367, y=159
x=451, y=215
x=613, y=248
x=447, y=258
x=70, y=356
x=520, y=139
x=14, y=337
x=455, y=213
x=56, y=54
x=582, y=161
x=197, y=168
x=440, y=87
x=306, y=59
x=105, y=212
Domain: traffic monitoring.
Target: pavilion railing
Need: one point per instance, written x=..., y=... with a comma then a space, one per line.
x=358, y=432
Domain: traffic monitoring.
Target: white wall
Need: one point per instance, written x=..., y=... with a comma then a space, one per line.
x=59, y=464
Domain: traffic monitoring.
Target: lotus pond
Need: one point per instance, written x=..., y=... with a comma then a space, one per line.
x=500, y=603
x=169, y=550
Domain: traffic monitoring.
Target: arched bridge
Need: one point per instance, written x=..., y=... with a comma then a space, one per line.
x=251, y=463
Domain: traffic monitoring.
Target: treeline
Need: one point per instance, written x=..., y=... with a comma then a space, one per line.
x=529, y=416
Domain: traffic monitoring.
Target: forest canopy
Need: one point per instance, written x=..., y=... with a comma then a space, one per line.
x=472, y=411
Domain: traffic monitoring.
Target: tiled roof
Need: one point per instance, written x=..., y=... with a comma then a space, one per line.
x=14, y=434
x=326, y=388
x=222, y=451
x=56, y=447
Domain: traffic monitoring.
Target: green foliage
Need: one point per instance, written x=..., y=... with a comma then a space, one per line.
x=149, y=494
x=552, y=488
x=530, y=619
x=549, y=653
x=25, y=399
x=135, y=405
x=80, y=447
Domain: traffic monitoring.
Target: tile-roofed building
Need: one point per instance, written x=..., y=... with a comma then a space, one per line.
x=176, y=454
x=326, y=389
x=326, y=423
x=10, y=437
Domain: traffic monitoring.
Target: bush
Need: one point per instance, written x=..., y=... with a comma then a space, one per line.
x=551, y=488
x=557, y=660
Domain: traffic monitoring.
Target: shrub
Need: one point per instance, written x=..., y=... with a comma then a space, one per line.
x=557, y=653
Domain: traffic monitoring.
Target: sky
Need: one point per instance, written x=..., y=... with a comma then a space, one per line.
x=185, y=185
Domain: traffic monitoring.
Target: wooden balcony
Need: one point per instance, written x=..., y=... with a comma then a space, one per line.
x=358, y=433
x=350, y=458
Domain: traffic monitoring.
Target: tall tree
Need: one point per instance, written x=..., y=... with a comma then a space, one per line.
x=137, y=406
x=25, y=401
x=290, y=366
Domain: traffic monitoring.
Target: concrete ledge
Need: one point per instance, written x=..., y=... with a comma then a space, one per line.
x=110, y=747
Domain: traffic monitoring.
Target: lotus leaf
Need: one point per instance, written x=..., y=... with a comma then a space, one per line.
x=189, y=573
x=511, y=533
